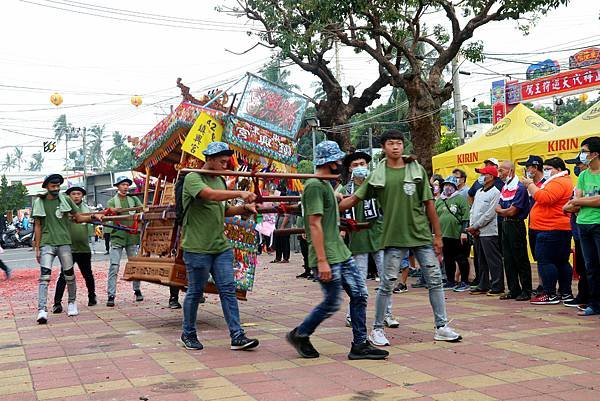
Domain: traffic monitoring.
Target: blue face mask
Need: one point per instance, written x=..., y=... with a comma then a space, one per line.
x=547, y=174
x=577, y=171
x=481, y=179
x=583, y=157
x=360, y=172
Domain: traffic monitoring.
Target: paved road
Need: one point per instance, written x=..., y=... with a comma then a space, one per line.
x=24, y=258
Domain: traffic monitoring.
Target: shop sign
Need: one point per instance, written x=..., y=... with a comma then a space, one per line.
x=543, y=68
x=585, y=57
x=568, y=81
x=498, y=96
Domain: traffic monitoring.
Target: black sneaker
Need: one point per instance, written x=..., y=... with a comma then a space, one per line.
x=191, y=342
x=138, y=296
x=174, y=303
x=400, y=288
x=574, y=302
x=566, y=297
x=92, y=300
x=244, y=343
x=111, y=301
x=366, y=351
x=57, y=308
x=302, y=345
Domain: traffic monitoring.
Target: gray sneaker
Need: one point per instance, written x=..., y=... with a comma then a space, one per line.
x=446, y=333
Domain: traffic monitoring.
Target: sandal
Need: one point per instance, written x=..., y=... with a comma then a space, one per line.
x=587, y=312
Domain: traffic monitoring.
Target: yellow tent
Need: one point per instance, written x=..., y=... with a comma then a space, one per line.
x=521, y=123
x=565, y=141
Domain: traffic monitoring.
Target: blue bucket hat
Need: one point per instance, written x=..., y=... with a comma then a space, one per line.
x=217, y=149
x=121, y=179
x=327, y=152
x=451, y=180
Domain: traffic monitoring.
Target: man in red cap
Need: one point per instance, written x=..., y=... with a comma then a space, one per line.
x=484, y=228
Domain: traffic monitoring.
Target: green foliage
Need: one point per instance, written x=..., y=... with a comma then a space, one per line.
x=18, y=157
x=95, y=156
x=448, y=141
x=12, y=197
x=571, y=108
x=9, y=162
x=305, y=167
x=120, y=156
x=36, y=162
x=274, y=72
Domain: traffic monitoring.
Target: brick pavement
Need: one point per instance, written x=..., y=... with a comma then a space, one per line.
x=510, y=351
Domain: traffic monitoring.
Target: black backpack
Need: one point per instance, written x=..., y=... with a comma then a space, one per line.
x=180, y=209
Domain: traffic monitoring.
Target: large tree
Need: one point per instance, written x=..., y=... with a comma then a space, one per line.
x=95, y=156
x=389, y=32
x=12, y=197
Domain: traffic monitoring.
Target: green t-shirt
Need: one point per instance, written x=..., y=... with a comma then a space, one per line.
x=121, y=237
x=203, y=223
x=405, y=223
x=457, y=206
x=55, y=225
x=80, y=234
x=318, y=199
x=365, y=241
x=589, y=185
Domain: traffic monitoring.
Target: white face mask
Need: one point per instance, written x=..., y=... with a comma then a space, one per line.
x=547, y=174
x=481, y=179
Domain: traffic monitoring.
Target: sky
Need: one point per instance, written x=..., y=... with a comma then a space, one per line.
x=97, y=63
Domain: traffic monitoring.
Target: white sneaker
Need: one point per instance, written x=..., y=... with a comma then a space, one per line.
x=377, y=337
x=42, y=317
x=390, y=322
x=446, y=333
x=377, y=279
x=72, y=309
x=348, y=321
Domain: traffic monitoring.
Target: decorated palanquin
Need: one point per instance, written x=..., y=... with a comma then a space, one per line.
x=176, y=143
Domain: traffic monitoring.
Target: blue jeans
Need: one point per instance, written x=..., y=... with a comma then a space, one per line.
x=362, y=261
x=432, y=274
x=220, y=266
x=552, y=251
x=590, y=244
x=47, y=255
x=348, y=276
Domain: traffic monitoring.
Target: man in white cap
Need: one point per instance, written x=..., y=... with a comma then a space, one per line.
x=121, y=239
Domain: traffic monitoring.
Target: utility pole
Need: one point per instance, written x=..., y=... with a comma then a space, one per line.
x=371, y=142
x=314, y=140
x=458, y=113
x=84, y=159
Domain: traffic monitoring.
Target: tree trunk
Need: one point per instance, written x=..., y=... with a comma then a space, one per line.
x=423, y=120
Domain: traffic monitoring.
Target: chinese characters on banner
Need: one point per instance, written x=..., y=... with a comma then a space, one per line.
x=243, y=238
x=498, y=101
x=205, y=130
x=260, y=141
x=272, y=107
x=552, y=85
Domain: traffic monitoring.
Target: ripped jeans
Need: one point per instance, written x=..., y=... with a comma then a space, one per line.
x=47, y=255
x=432, y=275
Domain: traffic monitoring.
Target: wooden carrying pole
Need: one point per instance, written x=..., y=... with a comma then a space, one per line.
x=291, y=231
x=230, y=173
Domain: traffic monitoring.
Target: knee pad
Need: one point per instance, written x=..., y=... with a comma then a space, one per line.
x=69, y=274
x=45, y=277
x=44, y=271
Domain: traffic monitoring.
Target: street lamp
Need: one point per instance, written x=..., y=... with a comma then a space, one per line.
x=313, y=123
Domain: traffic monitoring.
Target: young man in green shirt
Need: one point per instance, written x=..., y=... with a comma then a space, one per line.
x=332, y=260
x=121, y=239
x=53, y=239
x=80, y=249
x=403, y=191
x=365, y=242
x=587, y=203
x=206, y=249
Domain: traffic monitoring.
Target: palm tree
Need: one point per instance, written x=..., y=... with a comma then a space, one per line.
x=9, y=162
x=37, y=162
x=95, y=156
x=273, y=72
x=18, y=156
